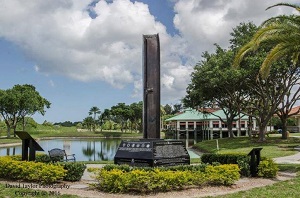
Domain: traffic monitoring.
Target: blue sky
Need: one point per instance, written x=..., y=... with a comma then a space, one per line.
x=84, y=53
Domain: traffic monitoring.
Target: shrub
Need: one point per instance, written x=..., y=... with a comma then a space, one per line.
x=267, y=168
x=222, y=158
x=127, y=168
x=241, y=159
x=225, y=174
x=42, y=158
x=244, y=165
x=38, y=158
x=131, y=179
x=30, y=171
x=74, y=170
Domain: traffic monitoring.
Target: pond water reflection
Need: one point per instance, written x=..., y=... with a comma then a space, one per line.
x=84, y=149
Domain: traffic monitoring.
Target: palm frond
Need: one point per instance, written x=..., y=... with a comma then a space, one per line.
x=273, y=55
x=241, y=53
x=292, y=19
x=279, y=51
x=296, y=57
x=282, y=32
x=297, y=7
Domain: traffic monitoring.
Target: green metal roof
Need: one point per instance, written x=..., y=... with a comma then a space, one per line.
x=189, y=114
x=192, y=114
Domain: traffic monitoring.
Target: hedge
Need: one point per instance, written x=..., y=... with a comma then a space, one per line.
x=74, y=170
x=241, y=159
x=41, y=170
x=31, y=171
x=125, y=179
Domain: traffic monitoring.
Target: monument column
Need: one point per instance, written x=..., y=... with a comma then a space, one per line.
x=151, y=82
x=152, y=151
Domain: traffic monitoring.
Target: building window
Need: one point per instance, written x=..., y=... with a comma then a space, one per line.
x=234, y=124
x=224, y=125
x=243, y=124
x=199, y=125
x=191, y=125
x=216, y=124
x=182, y=125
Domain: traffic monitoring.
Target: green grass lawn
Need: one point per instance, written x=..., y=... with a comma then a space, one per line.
x=273, y=147
x=10, y=140
x=288, y=189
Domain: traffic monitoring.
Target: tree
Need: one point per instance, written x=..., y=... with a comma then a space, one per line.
x=264, y=97
x=30, y=102
x=8, y=109
x=120, y=114
x=215, y=84
x=177, y=108
x=19, y=102
x=292, y=96
x=88, y=122
x=168, y=109
x=103, y=117
x=136, y=114
x=282, y=33
x=94, y=111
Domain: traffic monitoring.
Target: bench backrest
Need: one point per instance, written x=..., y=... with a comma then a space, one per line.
x=57, y=152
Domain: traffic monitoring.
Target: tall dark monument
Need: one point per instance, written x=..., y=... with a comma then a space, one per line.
x=151, y=151
x=151, y=82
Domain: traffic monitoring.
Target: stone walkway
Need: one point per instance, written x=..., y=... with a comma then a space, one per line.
x=292, y=159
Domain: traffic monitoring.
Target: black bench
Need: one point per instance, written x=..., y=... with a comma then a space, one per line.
x=60, y=155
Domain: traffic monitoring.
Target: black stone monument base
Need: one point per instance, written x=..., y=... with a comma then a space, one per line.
x=152, y=153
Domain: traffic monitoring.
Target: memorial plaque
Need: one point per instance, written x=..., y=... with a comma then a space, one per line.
x=152, y=153
x=170, y=153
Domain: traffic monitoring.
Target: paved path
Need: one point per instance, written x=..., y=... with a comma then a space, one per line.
x=87, y=176
x=292, y=159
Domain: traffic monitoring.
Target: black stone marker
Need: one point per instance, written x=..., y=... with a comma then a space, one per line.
x=28, y=143
x=152, y=151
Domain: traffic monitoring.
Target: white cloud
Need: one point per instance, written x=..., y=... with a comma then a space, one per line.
x=36, y=68
x=204, y=22
x=51, y=83
x=61, y=37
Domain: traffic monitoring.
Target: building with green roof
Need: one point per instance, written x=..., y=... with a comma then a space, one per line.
x=205, y=126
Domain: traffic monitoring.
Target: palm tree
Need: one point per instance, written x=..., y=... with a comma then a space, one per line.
x=94, y=111
x=282, y=33
x=88, y=122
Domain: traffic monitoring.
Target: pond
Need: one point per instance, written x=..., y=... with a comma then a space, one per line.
x=84, y=149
